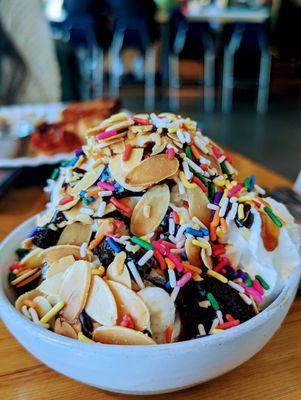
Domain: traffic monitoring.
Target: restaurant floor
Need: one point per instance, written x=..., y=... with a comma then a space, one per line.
x=273, y=139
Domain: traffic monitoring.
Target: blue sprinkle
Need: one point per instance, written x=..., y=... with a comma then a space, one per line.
x=195, y=232
x=251, y=183
x=167, y=285
x=89, y=199
x=184, y=256
x=36, y=230
x=114, y=246
x=72, y=162
x=205, y=231
x=82, y=193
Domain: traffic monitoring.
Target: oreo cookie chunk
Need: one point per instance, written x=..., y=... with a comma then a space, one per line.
x=46, y=237
x=105, y=253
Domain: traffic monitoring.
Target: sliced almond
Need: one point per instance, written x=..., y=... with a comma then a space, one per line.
x=159, y=148
x=26, y=274
x=107, y=123
x=129, y=303
x=207, y=260
x=121, y=335
x=193, y=252
x=63, y=328
x=42, y=306
x=117, y=271
x=101, y=305
x=87, y=180
x=152, y=170
x=45, y=217
x=28, y=280
x=197, y=201
x=75, y=234
x=33, y=259
x=26, y=296
x=158, y=198
x=60, y=266
x=74, y=289
x=55, y=253
x=120, y=125
x=118, y=148
x=52, y=286
x=119, y=168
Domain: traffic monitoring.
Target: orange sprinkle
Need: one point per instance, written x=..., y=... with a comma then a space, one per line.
x=96, y=241
x=224, y=225
x=160, y=259
x=215, y=221
x=191, y=267
x=176, y=217
x=80, y=161
x=92, y=193
x=29, y=303
x=195, y=152
x=212, y=232
x=127, y=152
x=168, y=334
x=66, y=200
x=170, y=264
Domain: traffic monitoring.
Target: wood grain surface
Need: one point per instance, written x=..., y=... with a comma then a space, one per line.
x=273, y=374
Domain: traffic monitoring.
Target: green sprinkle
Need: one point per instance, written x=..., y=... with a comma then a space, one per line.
x=247, y=183
x=225, y=168
x=188, y=152
x=64, y=163
x=55, y=174
x=262, y=282
x=213, y=301
x=273, y=217
x=248, y=280
x=142, y=243
x=211, y=191
x=205, y=182
x=11, y=276
x=21, y=253
x=85, y=201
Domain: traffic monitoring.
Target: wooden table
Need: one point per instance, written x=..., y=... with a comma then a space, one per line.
x=273, y=374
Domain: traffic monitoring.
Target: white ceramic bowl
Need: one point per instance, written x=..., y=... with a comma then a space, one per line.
x=141, y=369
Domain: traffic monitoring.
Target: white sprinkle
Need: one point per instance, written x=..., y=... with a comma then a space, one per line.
x=236, y=286
x=177, y=251
x=180, y=232
x=122, y=240
x=194, y=166
x=259, y=189
x=105, y=193
x=181, y=136
x=212, y=206
x=34, y=315
x=86, y=211
x=245, y=298
x=172, y=278
x=233, y=211
x=172, y=239
x=204, y=160
x=132, y=267
x=171, y=226
x=181, y=187
x=83, y=249
x=224, y=204
x=145, y=257
x=174, y=293
x=25, y=311
x=132, y=247
x=214, y=325
x=197, y=221
x=201, y=145
x=201, y=330
x=204, y=304
x=221, y=159
x=101, y=209
x=233, y=199
x=220, y=316
x=187, y=172
x=187, y=137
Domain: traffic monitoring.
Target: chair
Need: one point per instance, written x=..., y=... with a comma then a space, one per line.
x=182, y=34
x=140, y=29
x=259, y=31
x=91, y=56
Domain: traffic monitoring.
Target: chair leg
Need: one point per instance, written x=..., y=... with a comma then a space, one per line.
x=209, y=80
x=228, y=70
x=150, y=74
x=97, y=72
x=264, y=82
x=174, y=82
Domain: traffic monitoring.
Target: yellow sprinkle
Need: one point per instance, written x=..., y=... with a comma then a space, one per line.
x=118, y=116
x=182, y=219
x=167, y=114
x=240, y=212
x=200, y=243
x=219, y=232
x=98, y=271
x=185, y=182
x=146, y=211
x=214, y=331
x=234, y=183
x=244, y=198
x=51, y=313
x=216, y=275
x=145, y=238
x=225, y=194
x=228, y=184
x=173, y=129
x=219, y=181
x=84, y=338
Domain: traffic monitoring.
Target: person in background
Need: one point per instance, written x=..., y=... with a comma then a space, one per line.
x=29, y=71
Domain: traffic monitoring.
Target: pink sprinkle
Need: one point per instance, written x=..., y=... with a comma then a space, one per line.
x=185, y=278
x=234, y=190
x=106, y=185
x=160, y=248
x=105, y=135
x=14, y=266
x=258, y=287
x=216, y=151
x=170, y=153
x=176, y=261
x=252, y=292
x=225, y=261
x=169, y=245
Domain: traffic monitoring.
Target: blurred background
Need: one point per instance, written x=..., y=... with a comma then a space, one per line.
x=232, y=65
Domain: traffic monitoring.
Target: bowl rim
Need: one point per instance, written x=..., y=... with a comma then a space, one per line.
x=7, y=308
